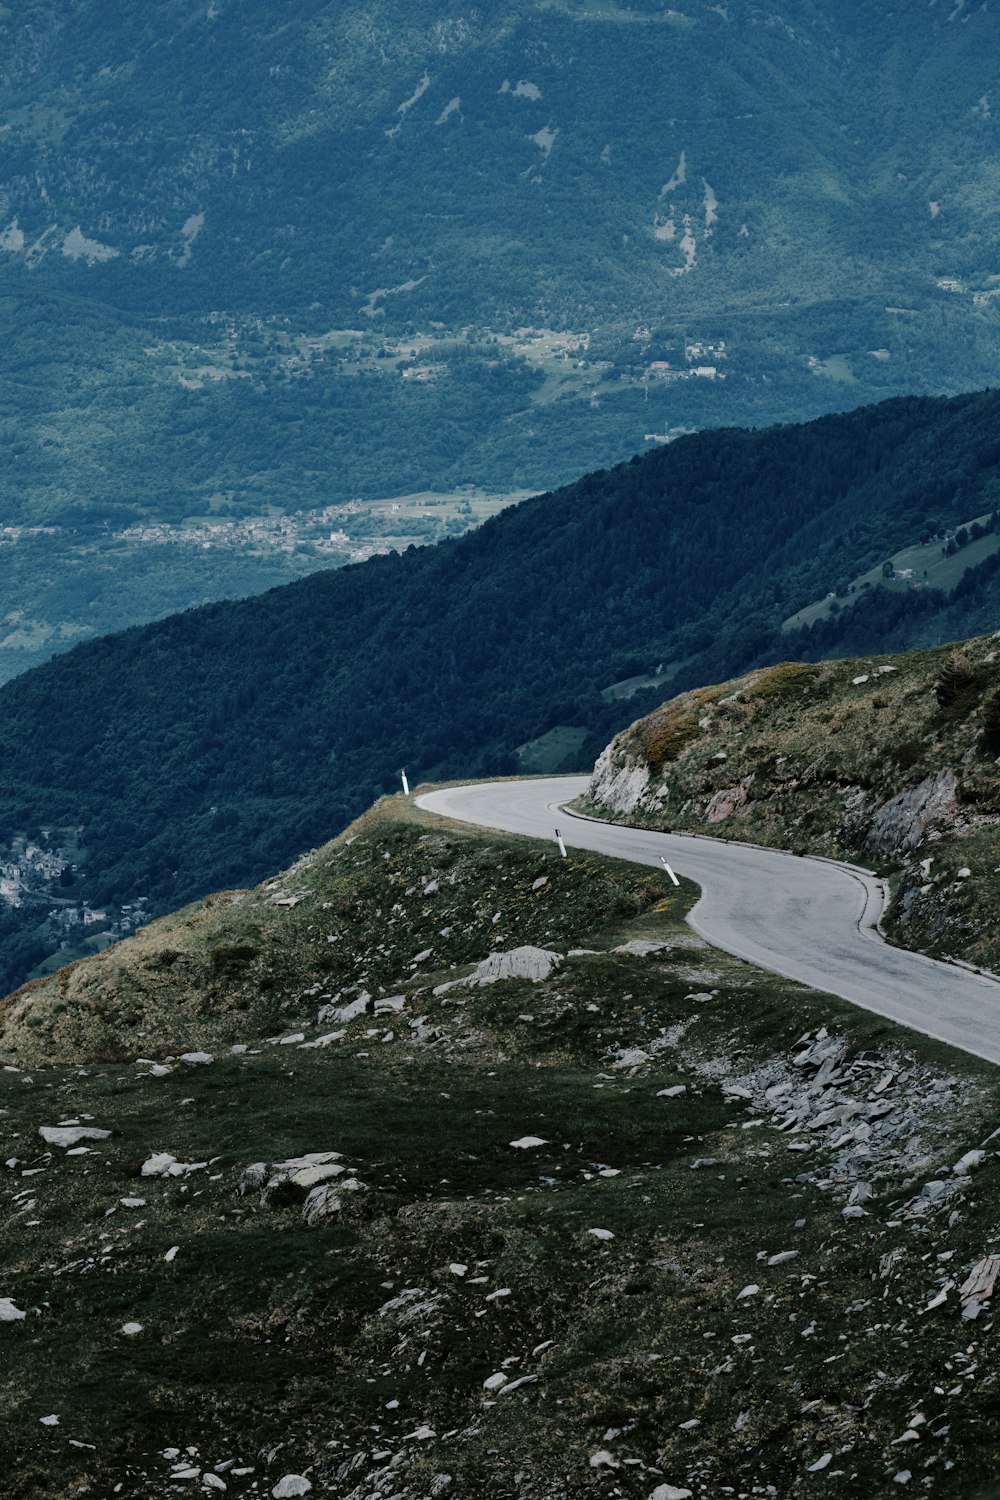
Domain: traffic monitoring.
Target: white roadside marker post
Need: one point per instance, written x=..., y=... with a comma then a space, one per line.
x=669, y=871
x=406, y=784
x=562, y=846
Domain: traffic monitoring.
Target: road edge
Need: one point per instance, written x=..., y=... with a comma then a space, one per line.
x=875, y=887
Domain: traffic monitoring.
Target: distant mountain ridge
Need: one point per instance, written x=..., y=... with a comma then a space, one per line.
x=254, y=262
x=203, y=751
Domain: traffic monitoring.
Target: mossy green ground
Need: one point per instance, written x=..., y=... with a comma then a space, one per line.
x=354, y=1351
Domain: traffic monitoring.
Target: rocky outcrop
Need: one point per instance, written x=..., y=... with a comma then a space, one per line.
x=317, y=1181
x=729, y=802
x=530, y=963
x=618, y=788
x=902, y=823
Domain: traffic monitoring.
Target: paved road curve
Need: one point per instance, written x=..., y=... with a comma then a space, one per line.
x=810, y=920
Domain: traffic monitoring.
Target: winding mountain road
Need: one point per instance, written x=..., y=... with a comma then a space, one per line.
x=811, y=920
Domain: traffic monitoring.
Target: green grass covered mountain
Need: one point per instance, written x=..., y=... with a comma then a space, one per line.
x=335, y=1217
x=256, y=262
x=203, y=751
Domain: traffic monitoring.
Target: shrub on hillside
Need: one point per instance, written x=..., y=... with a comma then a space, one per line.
x=957, y=688
x=954, y=678
x=991, y=722
x=782, y=681
x=908, y=753
x=664, y=740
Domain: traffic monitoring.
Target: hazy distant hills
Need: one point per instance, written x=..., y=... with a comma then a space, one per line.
x=202, y=751
x=557, y=161
x=255, y=260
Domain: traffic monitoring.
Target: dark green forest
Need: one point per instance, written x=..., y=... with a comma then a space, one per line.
x=208, y=749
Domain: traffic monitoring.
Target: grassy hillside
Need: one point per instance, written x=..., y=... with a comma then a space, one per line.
x=206, y=750
x=890, y=759
x=657, y=1222
x=936, y=562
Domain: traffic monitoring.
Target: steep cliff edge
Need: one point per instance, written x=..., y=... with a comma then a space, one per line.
x=892, y=760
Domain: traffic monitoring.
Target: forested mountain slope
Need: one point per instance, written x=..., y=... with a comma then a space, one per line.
x=201, y=751
x=254, y=261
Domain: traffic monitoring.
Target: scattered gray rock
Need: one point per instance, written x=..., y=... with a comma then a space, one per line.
x=391, y=1005
x=291, y=1486
x=631, y=1057
x=979, y=1284
x=888, y=1262
x=71, y=1135
x=515, y=1385
x=534, y=964
x=341, y=1014
x=252, y=1178
x=322, y=1041
x=318, y=1181
x=165, y=1165
x=326, y=1201
x=292, y=1180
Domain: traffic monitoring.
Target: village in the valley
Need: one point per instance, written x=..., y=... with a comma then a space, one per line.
x=40, y=876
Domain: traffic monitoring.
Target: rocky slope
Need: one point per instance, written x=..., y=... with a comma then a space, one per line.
x=479, y=1173
x=891, y=760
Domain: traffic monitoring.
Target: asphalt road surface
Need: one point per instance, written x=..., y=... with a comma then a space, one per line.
x=807, y=919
